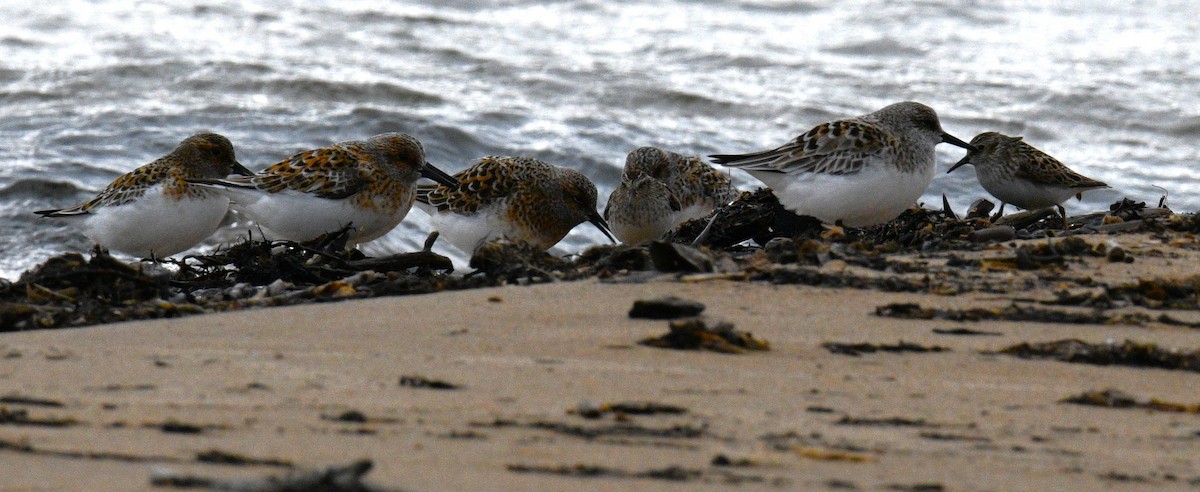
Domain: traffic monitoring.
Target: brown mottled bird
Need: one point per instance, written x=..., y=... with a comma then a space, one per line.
x=515, y=198
x=153, y=211
x=1015, y=172
x=661, y=189
x=858, y=171
x=366, y=184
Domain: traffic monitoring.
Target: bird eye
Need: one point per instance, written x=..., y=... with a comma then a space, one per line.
x=930, y=122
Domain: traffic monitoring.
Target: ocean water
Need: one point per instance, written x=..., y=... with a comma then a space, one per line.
x=92, y=89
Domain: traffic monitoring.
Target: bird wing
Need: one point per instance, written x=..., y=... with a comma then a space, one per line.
x=700, y=182
x=479, y=185
x=837, y=147
x=329, y=172
x=1040, y=167
x=125, y=189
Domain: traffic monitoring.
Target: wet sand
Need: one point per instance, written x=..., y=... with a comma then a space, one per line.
x=103, y=407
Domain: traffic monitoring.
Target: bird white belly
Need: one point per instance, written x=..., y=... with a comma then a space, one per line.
x=1024, y=194
x=155, y=225
x=467, y=232
x=872, y=196
x=302, y=217
x=645, y=230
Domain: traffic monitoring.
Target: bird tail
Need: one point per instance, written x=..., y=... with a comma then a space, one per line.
x=423, y=192
x=222, y=183
x=63, y=212
x=757, y=161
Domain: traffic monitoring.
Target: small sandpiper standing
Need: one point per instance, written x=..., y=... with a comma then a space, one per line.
x=1017, y=173
x=368, y=185
x=661, y=189
x=641, y=209
x=859, y=171
x=515, y=198
x=153, y=211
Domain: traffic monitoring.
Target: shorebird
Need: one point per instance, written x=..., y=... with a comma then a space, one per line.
x=515, y=198
x=154, y=211
x=368, y=185
x=858, y=171
x=661, y=189
x=1015, y=172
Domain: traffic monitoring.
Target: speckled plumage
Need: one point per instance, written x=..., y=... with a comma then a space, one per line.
x=660, y=189
x=368, y=184
x=1015, y=172
x=153, y=211
x=516, y=198
x=859, y=171
x=641, y=209
x=698, y=186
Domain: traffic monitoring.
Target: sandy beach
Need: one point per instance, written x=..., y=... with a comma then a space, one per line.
x=534, y=370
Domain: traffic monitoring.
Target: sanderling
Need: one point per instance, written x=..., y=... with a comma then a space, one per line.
x=368, y=185
x=153, y=212
x=676, y=189
x=858, y=171
x=698, y=186
x=515, y=198
x=1017, y=173
x=641, y=209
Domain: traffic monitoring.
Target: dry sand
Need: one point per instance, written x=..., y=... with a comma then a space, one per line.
x=268, y=384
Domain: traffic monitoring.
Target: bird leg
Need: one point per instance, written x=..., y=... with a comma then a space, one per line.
x=999, y=213
x=706, y=231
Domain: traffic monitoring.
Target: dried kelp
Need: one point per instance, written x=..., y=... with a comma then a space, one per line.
x=320, y=261
x=24, y=418
x=623, y=409
x=754, y=216
x=74, y=290
x=221, y=457
x=669, y=473
x=518, y=263
x=69, y=290
x=1112, y=398
x=857, y=349
x=819, y=278
x=347, y=478
x=702, y=334
x=1017, y=312
x=412, y=381
x=30, y=401
x=1158, y=293
x=1127, y=353
x=884, y=422
x=965, y=332
x=620, y=429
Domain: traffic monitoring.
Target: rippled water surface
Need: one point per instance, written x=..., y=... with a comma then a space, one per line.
x=91, y=90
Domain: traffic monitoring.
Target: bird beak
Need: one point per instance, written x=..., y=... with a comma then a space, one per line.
x=965, y=160
x=238, y=168
x=953, y=140
x=601, y=224
x=431, y=172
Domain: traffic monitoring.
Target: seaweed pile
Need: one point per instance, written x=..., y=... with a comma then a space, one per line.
x=753, y=238
x=71, y=290
x=1127, y=353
